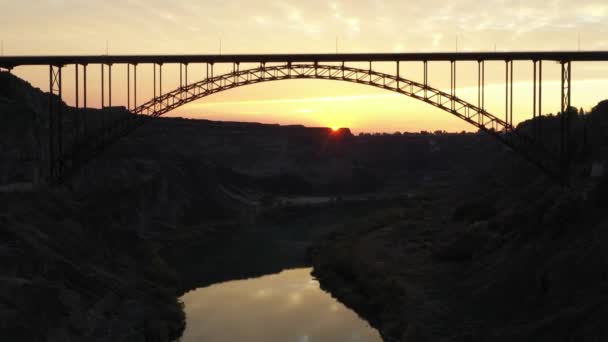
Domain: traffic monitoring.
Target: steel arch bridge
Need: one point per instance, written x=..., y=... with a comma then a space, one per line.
x=313, y=66
x=449, y=102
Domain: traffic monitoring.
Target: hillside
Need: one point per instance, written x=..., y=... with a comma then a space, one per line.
x=445, y=235
x=505, y=256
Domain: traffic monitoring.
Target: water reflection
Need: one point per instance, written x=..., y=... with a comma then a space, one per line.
x=283, y=307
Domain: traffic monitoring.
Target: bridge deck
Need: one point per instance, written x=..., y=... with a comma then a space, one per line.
x=587, y=56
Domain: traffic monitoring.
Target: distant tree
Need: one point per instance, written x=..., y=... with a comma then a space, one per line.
x=397, y=133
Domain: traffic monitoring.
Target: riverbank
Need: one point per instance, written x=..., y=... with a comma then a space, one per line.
x=518, y=261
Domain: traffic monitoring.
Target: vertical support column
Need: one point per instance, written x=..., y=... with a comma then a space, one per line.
x=534, y=91
x=109, y=85
x=77, y=103
x=370, y=71
x=540, y=99
x=425, y=71
x=186, y=74
x=55, y=125
x=480, y=90
x=453, y=83
x=60, y=159
x=103, y=100
x=128, y=87
x=51, y=173
x=398, y=74
x=507, y=95
x=566, y=67
x=160, y=79
x=210, y=85
x=479, y=84
x=134, y=86
x=181, y=81
x=511, y=95
x=84, y=81
x=77, y=85
x=343, y=70
x=483, y=86
x=84, y=100
x=154, y=81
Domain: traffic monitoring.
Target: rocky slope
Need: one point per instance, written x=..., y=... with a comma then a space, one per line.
x=501, y=256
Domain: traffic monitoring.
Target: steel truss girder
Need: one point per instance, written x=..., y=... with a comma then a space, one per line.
x=448, y=102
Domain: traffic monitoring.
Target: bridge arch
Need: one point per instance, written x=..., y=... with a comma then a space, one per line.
x=209, y=86
x=450, y=103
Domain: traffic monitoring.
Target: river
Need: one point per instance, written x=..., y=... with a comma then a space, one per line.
x=284, y=307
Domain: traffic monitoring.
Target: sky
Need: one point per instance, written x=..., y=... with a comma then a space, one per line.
x=33, y=27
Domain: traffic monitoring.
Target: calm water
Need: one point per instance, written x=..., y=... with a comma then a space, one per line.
x=283, y=307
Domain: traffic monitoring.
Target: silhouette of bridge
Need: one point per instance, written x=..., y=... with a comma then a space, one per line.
x=275, y=67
